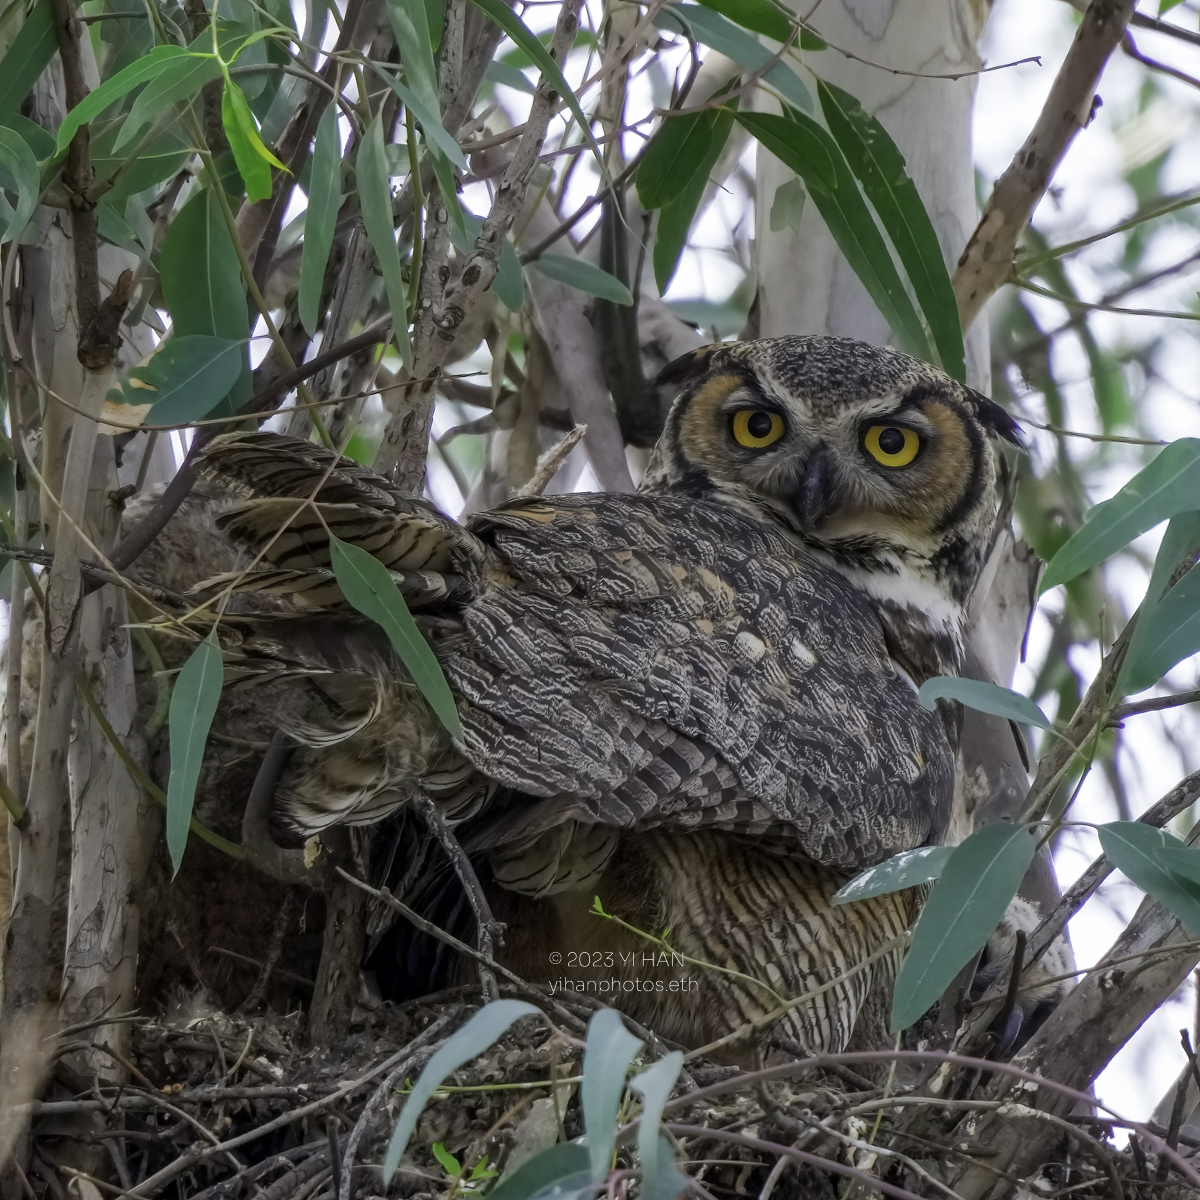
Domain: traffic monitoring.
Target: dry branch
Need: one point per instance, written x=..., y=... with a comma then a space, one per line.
x=986, y=263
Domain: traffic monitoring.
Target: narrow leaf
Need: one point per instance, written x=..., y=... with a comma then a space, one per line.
x=501, y=72
x=583, y=276
x=880, y=167
x=661, y=1177
x=320, y=218
x=375, y=201
x=757, y=15
x=111, y=90
x=448, y=1162
x=18, y=162
x=431, y=126
x=712, y=29
x=984, y=697
x=489, y=1023
x=180, y=79
x=1164, y=635
x=28, y=56
x=1138, y=851
x=1164, y=488
x=561, y=1171
x=516, y=29
x=904, y=870
x=606, y=1058
x=1143, y=666
x=184, y=380
x=194, y=701
x=966, y=904
x=800, y=143
x=254, y=160
x=675, y=153
x=675, y=218
x=369, y=587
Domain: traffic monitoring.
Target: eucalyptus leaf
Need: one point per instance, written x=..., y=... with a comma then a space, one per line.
x=984, y=697
x=1182, y=862
x=28, y=56
x=254, y=160
x=375, y=202
x=432, y=126
x=758, y=15
x=1164, y=488
x=609, y=1050
x=583, y=276
x=562, y=1170
x=194, y=701
x=1138, y=851
x=369, y=587
x=809, y=150
x=880, y=167
x=501, y=72
x=904, y=870
x=715, y=31
x=966, y=904
x=675, y=153
x=1164, y=635
x=661, y=1177
x=111, y=90
x=180, y=79
x=489, y=1023
x=184, y=380
x=320, y=217
x=19, y=164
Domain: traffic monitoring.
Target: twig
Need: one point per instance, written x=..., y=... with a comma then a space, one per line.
x=487, y=927
x=254, y=962
x=1154, y=704
x=1129, y=47
x=549, y=463
x=1157, y=25
x=987, y=260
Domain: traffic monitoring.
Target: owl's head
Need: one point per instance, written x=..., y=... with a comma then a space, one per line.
x=882, y=461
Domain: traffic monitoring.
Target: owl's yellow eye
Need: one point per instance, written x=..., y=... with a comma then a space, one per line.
x=756, y=428
x=891, y=445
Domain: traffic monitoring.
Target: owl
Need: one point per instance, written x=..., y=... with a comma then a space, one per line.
x=697, y=703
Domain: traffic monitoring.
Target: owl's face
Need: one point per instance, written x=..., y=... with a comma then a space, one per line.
x=880, y=460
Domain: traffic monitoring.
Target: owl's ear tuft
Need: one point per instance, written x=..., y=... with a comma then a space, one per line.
x=996, y=419
x=688, y=367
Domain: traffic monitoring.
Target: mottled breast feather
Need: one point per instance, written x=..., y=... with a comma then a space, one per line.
x=667, y=661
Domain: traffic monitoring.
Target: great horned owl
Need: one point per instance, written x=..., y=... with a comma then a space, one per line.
x=697, y=702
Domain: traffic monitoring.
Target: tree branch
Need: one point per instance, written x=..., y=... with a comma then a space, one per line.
x=987, y=260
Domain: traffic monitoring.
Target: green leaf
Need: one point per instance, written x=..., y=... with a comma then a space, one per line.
x=369, y=587
x=1139, y=852
x=714, y=30
x=904, y=870
x=184, y=380
x=431, y=126
x=560, y=1171
x=661, y=1177
x=501, y=72
x=1164, y=635
x=583, y=276
x=1164, y=488
x=17, y=160
x=880, y=167
x=516, y=29
x=489, y=1023
x=180, y=79
x=448, y=1162
x=675, y=218
x=113, y=89
x=375, y=201
x=320, y=218
x=159, y=159
x=194, y=701
x=967, y=903
x=809, y=150
x=984, y=697
x=28, y=56
x=609, y=1051
x=757, y=15
x=254, y=160
x=410, y=23
x=202, y=282
x=1182, y=862
x=1165, y=6
x=675, y=153
x=788, y=205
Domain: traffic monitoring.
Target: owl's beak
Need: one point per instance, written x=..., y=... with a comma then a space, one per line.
x=814, y=495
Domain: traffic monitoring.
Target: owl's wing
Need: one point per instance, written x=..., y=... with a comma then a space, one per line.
x=294, y=494
x=670, y=661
